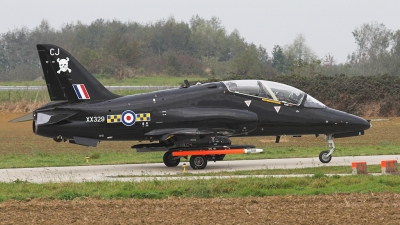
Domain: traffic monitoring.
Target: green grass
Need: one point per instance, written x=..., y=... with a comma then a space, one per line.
x=41, y=96
x=231, y=187
x=304, y=171
x=23, y=83
x=108, y=156
x=306, y=152
x=39, y=159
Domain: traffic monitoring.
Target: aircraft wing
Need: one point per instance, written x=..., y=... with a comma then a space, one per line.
x=203, y=121
x=178, y=131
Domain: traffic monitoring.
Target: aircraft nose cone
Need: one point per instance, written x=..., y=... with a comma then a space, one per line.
x=356, y=123
x=346, y=122
x=361, y=123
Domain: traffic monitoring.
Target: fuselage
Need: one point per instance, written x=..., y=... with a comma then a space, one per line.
x=210, y=107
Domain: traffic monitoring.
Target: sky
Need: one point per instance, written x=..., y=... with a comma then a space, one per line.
x=327, y=25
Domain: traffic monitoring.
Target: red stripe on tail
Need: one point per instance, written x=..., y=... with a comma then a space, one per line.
x=84, y=91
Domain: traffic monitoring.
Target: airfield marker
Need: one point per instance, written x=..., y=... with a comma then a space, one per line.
x=388, y=166
x=359, y=168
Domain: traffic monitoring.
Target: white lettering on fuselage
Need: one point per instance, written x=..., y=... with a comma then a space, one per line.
x=95, y=119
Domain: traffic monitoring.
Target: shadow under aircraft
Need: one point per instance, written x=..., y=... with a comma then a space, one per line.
x=195, y=121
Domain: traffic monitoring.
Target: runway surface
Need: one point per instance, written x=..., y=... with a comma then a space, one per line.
x=141, y=172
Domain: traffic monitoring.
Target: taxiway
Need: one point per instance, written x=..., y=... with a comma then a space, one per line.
x=139, y=172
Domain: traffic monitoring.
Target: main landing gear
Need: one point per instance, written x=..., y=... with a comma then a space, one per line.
x=326, y=156
x=170, y=160
x=199, y=156
x=198, y=162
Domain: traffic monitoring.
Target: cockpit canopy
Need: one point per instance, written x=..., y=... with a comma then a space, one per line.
x=274, y=91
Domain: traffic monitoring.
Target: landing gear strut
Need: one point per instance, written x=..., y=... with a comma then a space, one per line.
x=326, y=156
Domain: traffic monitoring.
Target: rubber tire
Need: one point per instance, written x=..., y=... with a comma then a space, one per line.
x=198, y=162
x=57, y=140
x=169, y=159
x=324, y=159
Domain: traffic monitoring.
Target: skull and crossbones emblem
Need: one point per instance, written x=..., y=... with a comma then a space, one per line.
x=63, y=63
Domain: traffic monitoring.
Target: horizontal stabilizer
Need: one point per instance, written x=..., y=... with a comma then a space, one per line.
x=27, y=117
x=52, y=117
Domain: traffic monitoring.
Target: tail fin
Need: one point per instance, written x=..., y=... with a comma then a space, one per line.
x=67, y=79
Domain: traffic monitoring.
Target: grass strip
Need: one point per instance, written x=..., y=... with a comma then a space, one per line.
x=232, y=187
x=65, y=156
x=313, y=170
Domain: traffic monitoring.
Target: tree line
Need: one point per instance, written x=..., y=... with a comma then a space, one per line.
x=120, y=50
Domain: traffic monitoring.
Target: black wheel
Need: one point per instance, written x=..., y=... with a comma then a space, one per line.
x=169, y=160
x=198, y=162
x=324, y=158
x=56, y=139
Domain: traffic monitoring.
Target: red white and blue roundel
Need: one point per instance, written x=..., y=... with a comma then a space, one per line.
x=128, y=118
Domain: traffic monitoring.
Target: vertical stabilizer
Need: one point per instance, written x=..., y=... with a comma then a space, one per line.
x=67, y=79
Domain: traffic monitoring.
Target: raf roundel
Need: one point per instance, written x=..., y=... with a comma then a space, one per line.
x=128, y=118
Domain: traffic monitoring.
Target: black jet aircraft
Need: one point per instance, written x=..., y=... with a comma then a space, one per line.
x=194, y=121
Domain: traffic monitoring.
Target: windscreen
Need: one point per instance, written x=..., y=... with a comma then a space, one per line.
x=313, y=103
x=285, y=93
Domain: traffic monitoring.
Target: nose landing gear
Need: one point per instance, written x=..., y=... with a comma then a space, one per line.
x=58, y=138
x=326, y=156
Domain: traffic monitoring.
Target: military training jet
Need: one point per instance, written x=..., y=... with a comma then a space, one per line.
x=194, y=121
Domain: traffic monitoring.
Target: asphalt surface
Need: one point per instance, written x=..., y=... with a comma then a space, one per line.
x=139, y=172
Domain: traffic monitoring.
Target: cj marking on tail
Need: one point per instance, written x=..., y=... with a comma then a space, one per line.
x=63, y=63
x=54, y=53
